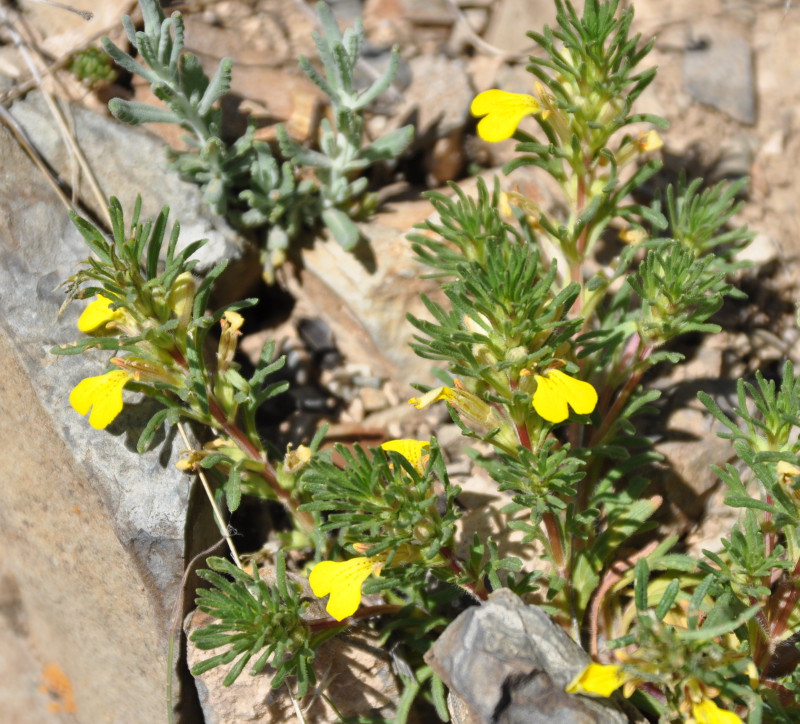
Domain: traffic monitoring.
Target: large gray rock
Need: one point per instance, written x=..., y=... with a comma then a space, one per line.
x=509, y=664
x=94, y=534
x=126, y=161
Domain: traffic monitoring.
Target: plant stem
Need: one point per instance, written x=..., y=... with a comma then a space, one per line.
x=267, y=471
x=783, y=602
x=636, y=373
x=223, y=527
x=457, y=568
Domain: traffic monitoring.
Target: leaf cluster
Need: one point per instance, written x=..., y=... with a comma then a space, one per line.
x=667, y=655
x=503, y=316
x=678, y=292
x=766, y=414
x=381, y=500
x=589, y=81
x=245, y=179
x=254, y=619
x=698, y=218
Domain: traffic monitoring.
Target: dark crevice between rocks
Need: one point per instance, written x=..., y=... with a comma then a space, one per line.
x=201, y=533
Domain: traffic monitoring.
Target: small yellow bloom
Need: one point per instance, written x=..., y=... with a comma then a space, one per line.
x=343, y=581
x=707, y=712
x=415, y=451
x=103, y=394
x=98, y=314
x=431, y=396
x=231, y=324
x=295, y=460
x=649, y=141
x=598, y=680
x=632, y=236
x=787, y=473
x=503, y=112
x=555, y=390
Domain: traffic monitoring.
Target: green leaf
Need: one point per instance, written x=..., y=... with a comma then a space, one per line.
x=135, y=112
x=219, y=86
x=233, y=489
x=342, y=228
x=155, y=422
x=204, y=290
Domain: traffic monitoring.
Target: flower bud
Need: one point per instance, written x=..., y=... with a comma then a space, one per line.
x=295, y=460
x=231, y=323
x=181, y=297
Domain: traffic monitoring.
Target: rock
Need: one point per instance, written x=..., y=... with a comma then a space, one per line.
x=63, y=33
x=20, y=673
x=354, y=679
x=441, y=92
x=513, y=19
x=718, y=71
x=95, y=534
x=510, y=663
x=437, y=103
x=107, y=145
x=364, y=299
x=762, y=250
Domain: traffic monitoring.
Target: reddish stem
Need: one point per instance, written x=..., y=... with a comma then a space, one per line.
x=267, y=471
x=458, y=569
x=524, y=437
x=783, y=602
x=622, y=398
x=551, y=526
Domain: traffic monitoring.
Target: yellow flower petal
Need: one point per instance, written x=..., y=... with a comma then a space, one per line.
x=103, y=394
x=632, y=236
x=503, y=112
x=411, y=450
x=707, y=712
x=343, y=581
x=439, y=393
x=597, y=680
x=649, y=141
x=555, y=390
x=97, y=314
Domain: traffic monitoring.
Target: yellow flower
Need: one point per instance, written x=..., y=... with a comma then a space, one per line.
x=412, y=450
x=503, y=112
x=98, y=314
x=343, y=581
x=555, y=390
x=632, y=236
x=598, y=680
x=103, y=394
x=649, y=141
x=431, y=396
x=786, y=474
x=707, y=712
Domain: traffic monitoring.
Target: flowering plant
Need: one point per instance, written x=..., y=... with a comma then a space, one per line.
x=546, y=353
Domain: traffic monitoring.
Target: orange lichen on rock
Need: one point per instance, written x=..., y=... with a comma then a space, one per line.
x=58, y=686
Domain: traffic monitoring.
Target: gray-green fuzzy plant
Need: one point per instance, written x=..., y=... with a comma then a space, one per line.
x=278, y=197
